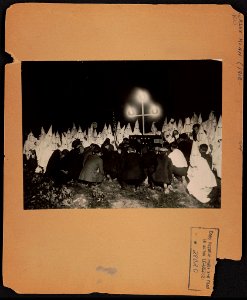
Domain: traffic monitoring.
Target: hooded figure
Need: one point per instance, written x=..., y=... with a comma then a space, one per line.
x=165, y=126
x=217, y=157
x=137, y=129
x=44, y=153
x=154, y=128
x=80, y=134
x=202, y=179
x=30, y=144
x=180, y=126
x=73, y=131
x=203, y=149
x=200, y=119
x=202, y=136
x=187, y=126
x=31, y=163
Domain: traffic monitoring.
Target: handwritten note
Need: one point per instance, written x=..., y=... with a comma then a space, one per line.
x=203, y=254
x=238, y=22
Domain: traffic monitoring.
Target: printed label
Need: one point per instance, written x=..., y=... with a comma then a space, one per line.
x=203, y=254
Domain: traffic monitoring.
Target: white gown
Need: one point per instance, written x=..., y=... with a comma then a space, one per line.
x=202, y=179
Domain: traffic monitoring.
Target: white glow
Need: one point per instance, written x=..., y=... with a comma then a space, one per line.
x=130, y=111
x=155, y=110
x=142, y=95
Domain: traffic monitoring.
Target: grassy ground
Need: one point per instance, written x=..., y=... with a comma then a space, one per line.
x=44, y=194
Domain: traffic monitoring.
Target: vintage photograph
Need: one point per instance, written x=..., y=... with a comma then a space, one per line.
x=122, y=134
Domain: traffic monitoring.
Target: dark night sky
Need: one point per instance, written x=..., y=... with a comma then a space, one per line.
x=60, y=93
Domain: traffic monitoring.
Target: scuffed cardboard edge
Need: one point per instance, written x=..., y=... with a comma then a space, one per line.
x=15, y=60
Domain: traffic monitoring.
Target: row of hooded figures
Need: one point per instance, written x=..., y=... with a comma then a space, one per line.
x=190, y=155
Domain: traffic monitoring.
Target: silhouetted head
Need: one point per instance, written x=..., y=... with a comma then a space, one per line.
x=203, y=148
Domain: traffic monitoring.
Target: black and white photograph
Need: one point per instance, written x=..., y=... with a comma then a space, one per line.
x=122, y=134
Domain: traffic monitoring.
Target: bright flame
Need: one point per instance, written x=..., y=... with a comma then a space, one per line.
x=155, y=110
x=142, y=95
x=130, y=111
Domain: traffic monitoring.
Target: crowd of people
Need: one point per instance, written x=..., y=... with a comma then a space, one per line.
x=190, y=152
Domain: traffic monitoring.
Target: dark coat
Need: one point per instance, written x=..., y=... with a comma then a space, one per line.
x=149, y=162
x=163, y=171
x=75, y=163
x=30, y=164
x=93, y=169
x=111, y=163
x=88, y=151
x=53, y=164
x=57, y=168
x=131, y=167
x=106, y=148
x=123, y=147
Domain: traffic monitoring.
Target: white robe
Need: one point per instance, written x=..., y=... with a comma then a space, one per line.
x=217, y=158
x=202, y=179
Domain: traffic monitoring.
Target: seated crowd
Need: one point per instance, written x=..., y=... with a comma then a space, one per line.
x=131, y=164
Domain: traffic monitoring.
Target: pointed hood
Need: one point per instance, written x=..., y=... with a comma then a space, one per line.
x=95, y=134
x=48, y=136
x=80, y=134
x=180, y=126
x=73, y=131
x=195, y=118
x=201, y=136
x=136, y=128
x=218, y=131
x=105, y=128
x=128, y=127
x=211, y=116
x=154, y=128
x=199, y=119
x=192, y=122
x=42, y=134
x=219, y=125
x=118, y=126
x=89, y=132
x=187, y=126
x=127, y=131
x=109, y=130
x=165, y=126
x=64, y=142
x=137, y=124
x=49, y=132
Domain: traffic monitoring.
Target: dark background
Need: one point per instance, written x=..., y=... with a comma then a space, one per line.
x=60, y=93
x=230, y=276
